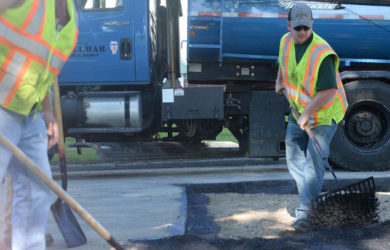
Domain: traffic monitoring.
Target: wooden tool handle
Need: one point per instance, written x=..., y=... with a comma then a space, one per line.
x=60, y=192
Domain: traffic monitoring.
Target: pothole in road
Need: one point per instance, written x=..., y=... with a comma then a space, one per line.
x=258, y=215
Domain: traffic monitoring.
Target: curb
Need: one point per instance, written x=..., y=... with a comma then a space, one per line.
x=104, y=170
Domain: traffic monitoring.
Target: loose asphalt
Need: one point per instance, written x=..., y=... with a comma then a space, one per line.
x=149, y=207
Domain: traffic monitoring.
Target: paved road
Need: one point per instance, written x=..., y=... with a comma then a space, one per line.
x=152, y=204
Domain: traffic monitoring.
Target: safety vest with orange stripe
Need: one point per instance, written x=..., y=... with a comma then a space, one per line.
x=32, y=52
x=300, y=81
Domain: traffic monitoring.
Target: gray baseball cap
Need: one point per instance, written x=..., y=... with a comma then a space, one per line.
x=300, y=14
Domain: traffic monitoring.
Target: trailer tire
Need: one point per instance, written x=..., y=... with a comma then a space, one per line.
x=361, y=142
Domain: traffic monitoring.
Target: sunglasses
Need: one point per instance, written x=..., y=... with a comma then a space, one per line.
x=302, y=27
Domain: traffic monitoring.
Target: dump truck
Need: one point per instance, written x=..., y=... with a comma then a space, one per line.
x=121, y=82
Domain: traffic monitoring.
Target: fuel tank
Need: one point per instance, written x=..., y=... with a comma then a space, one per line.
x=107, y=112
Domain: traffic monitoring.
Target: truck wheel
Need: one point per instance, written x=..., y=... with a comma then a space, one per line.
x=361, y=142
x=198, y=130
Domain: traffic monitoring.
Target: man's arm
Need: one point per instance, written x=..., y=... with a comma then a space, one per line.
x=5, y=4
x=322, y=97
x=51, y=123
x=278, y=84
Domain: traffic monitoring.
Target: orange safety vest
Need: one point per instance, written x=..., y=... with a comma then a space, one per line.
x=32, y=52
x=300, y=81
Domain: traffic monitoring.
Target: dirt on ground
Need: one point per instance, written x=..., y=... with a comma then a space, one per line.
x=258, y=215
x=243, y=216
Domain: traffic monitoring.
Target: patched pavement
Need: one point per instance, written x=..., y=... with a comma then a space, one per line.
x=151, y=209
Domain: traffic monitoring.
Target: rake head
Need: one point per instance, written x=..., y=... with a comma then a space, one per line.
x=353, y=204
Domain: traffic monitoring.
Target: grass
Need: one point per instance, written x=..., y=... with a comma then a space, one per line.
x=89, y=154
x=225, y=135
x=72, y=157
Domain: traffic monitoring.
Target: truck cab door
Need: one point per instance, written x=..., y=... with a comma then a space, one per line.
x=104, y=53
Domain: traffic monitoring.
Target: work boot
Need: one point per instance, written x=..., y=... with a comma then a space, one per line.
x=302, y=225
x=300, y=214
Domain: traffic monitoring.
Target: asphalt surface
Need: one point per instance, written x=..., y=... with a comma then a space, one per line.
x=150, y=205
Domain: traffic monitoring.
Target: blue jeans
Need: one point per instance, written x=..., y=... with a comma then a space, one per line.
x=32, y=199
x=305, y=163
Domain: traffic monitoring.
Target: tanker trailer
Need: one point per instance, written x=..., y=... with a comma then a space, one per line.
x=235, y=43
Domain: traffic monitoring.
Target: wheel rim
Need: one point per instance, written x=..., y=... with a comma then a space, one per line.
x=366, y=125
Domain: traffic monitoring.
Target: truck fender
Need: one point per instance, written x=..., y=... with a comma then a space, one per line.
x=347, y=76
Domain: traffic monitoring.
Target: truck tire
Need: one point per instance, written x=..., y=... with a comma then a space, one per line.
x=361, y=142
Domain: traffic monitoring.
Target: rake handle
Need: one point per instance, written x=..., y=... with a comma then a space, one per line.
x=60, y=192
x=319, y=150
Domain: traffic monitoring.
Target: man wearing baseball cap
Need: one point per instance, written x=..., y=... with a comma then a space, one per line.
x=308, y=74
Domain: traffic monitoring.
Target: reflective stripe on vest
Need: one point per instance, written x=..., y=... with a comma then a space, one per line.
x=314, y=54
x=32, y=40
x=341, y=92
x=303, y=95
x=34, y=19
x=27, y=44
x=291, y=89
x=286, y=51
x=17, y=63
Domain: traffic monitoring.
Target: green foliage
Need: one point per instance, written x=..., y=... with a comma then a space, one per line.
x=225, y=135
x=72, y=157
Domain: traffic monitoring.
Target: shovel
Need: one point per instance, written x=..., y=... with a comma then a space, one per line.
x=61, y=193
x=63, y=215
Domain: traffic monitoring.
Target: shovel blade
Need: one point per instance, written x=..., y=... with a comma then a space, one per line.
x=68, y=225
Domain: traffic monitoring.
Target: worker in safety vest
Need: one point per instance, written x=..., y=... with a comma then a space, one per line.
x=308, y=74
x=36, y=39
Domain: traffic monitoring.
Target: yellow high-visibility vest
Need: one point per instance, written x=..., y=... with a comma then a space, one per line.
x=32, y=52
x=300, y=81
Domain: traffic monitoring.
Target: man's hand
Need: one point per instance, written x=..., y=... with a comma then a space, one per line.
x=303, y=120
x=322, y=97
x=50, y=121
x=52, y=129
x=278, y=84
x=279, y=89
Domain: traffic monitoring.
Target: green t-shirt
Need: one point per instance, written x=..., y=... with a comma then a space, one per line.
x=326, y=73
